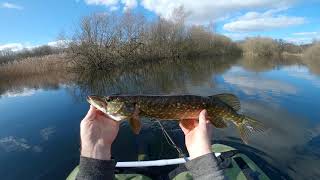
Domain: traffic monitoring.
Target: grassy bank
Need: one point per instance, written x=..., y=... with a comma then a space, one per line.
x=35, y=66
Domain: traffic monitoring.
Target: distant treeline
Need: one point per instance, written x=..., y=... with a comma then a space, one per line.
x=268, y=47
x=265, y=47
x=7, y=55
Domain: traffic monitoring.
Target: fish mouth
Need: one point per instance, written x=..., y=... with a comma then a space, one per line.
x=93, y=98
x=116, y=117
x=93, y=101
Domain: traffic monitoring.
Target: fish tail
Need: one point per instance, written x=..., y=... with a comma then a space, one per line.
x=248, y=127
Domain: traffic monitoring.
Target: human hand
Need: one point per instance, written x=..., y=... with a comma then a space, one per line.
x=197, y=139
x=97, y=132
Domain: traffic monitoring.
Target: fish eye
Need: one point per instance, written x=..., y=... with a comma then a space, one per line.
x=108, y=99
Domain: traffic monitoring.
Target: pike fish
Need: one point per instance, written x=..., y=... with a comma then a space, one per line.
x=221, y=109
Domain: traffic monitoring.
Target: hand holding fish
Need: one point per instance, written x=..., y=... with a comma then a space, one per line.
x=97, y=133
x=198, y=138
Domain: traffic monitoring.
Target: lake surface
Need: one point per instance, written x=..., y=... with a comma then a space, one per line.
x=40, y=115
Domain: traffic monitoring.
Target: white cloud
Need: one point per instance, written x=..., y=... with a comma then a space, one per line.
x=303, y=37
x=114, y=8
x=11, y=46
x=47, y=132
x=303, y=73
x=59, y=43
x=257, y=85
x=299, y=40
x=199, y=12
x=254, y=21
x=13, y=144
x=21, y=93
x=11, y=6
x=237, y=36
x=305, y=33
x=114, y=5
x=16, y=46
x=102, y=2
x=208, y=10
x=20, y=46
x=129, y=4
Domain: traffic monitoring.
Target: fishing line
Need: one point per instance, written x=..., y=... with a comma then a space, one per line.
x=170, y=141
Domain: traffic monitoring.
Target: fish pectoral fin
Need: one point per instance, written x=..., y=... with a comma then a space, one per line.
x=218, y=122
x=229, y=99
x=188, y=123
x=135, y=122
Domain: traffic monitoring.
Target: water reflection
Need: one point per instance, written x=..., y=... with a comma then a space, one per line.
x=282, y=97
x=264, y=96
x=25, y=85
x=47, y=132
x=261, y=64
x=302, y=73
x=13, y=144
x=152, y=78
x=313, y=65
x=161, y=78
x=22, y=92
x=253, y=84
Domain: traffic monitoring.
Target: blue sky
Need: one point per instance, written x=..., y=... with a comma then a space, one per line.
x=28, y=23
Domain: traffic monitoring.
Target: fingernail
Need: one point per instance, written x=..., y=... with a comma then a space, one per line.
x=204, y=112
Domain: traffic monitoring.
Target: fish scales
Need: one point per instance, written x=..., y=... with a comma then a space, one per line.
x=221, y=108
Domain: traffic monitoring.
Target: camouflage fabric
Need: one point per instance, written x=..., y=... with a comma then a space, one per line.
x=233, y=171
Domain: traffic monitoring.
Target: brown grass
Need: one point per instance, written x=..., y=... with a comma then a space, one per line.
x=35, y=66
x=313, y=52
x=46, y=72
x=311, y=57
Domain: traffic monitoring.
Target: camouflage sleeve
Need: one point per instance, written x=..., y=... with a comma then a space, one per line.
x=205, y=168
x=94, y=169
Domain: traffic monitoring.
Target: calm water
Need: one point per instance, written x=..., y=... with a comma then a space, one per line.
x=40, y=116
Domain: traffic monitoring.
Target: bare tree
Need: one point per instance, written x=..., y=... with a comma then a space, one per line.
x=96, y=42
x=259, y=46
x=104, y=40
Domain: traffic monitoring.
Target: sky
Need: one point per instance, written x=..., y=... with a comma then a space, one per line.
x=30, y=23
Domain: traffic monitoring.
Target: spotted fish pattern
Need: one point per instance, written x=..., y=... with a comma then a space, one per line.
x=221, y=108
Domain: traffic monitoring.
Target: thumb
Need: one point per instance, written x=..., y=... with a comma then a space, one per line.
x=184, y=130
x=202, y=118
x=91, y=113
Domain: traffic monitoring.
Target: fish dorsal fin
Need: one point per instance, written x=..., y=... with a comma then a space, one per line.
x=229, y=99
